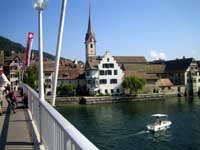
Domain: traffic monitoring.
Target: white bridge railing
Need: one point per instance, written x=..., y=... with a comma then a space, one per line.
x=56, y=133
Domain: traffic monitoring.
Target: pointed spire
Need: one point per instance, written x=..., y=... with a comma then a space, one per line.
x=90, y=34
x=89, y=22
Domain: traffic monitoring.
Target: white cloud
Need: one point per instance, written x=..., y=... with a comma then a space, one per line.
x=162, y=55
x=157, y=55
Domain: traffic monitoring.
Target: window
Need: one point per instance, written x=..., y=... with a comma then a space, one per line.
x=47, y=80
x=111, y=65
x=87, y=73
x=112, y=91
x=199, y=80
x=108, y=65
x=47, y=74
x=109, y=72
x=113, y=81
x=48, y=86
x=91, y=45
x=105, y=66
x=89, y=81
x=115, y=72
x=103, y=81
x=106, y=91
x=108, y=59
x=101, y=72
x=118, y=91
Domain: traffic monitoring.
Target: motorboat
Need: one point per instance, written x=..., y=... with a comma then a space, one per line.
x=161, y=123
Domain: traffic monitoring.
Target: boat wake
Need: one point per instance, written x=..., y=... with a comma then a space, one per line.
x=132, y=135
x=141, y=132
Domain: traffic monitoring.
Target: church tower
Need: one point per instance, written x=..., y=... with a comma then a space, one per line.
x=90, y=41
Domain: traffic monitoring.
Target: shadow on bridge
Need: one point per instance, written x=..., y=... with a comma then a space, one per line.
x=4, y=132
x=15, y=132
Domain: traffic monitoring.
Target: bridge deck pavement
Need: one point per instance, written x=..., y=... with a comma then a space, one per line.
x=15, y=133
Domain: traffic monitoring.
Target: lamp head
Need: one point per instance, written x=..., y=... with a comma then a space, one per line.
x=40, y=4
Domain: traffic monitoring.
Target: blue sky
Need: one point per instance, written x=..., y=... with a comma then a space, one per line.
x=158, y=28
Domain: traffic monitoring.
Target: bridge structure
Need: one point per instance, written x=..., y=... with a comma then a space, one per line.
x=40, y=126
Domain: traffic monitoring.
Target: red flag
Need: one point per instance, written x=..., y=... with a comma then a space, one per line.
x=28, y=47
x=1, y=70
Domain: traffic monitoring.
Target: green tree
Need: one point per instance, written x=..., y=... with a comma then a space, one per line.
x=133, y=84
x=66, y=89
x=31, y=76
x=17, y=74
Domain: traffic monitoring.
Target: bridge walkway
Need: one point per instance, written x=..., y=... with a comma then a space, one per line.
x=15, y=132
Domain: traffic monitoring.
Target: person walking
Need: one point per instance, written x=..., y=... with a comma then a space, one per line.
x=1, y=101
x=10, y=100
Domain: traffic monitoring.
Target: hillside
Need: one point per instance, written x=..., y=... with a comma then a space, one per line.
x=8, y=46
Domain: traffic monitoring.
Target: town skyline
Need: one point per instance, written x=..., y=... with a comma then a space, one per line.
x=161, y=29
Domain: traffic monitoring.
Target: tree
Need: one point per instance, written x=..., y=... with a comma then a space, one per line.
x=133, y=84
x=66, y=89
x=31, y=76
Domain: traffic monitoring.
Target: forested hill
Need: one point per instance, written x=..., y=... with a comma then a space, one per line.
x=8, y=46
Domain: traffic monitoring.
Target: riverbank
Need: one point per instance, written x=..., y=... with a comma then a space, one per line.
x=88, y=100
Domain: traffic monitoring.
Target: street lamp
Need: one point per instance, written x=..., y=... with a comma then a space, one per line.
x=40, y=5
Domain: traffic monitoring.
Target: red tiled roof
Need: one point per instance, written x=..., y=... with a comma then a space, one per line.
x=143, y=75
x=130, y=59
x=67, y=69
x=95, y=60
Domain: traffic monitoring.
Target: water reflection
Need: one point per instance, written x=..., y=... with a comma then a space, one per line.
x=161, y=136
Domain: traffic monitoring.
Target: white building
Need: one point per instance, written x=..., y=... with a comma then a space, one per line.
x=14, y=68
x=48, y=77
x=103, y=74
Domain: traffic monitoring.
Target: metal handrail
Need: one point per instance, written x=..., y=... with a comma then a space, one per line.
x=61, y=134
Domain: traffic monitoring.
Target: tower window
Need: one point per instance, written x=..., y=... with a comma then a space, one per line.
x=91, y=45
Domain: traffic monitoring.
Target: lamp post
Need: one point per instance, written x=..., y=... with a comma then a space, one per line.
x=40, y=5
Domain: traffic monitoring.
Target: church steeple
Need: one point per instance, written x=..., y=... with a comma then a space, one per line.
x=90, y=41
x=89, y=22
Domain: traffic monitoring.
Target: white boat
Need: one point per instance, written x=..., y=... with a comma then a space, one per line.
x=161, y=123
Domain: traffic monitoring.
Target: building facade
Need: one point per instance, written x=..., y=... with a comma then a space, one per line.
x=183, y=72
x=104, y=76
x=14, y=73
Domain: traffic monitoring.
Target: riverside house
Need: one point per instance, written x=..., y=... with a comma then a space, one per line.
x=183, y=72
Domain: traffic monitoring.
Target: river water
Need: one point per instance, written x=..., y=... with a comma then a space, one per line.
x=121, y=126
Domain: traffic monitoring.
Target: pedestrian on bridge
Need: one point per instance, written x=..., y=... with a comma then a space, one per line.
x=1, y=107
x=10, y=99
